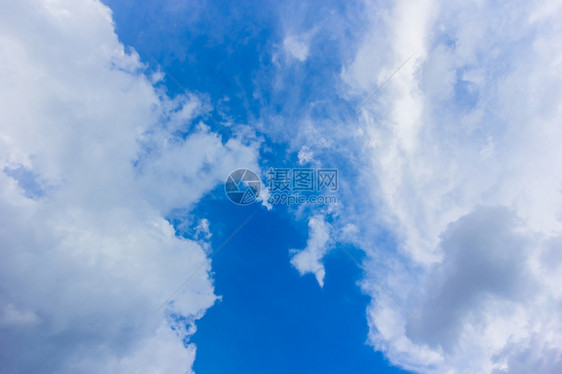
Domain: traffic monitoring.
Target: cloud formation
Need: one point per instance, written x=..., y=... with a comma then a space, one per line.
x=466, y=162
x=90, y=163
x=309, y=259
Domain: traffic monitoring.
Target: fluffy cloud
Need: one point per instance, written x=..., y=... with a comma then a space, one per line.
x=309, y=260
x=89, y=165
x=466, y=161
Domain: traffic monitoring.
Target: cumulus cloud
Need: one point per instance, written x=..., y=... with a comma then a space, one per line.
x=309, y=260
x=465, y=157
x=90, y=163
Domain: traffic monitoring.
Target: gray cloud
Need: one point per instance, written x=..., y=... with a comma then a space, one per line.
x=485, y=257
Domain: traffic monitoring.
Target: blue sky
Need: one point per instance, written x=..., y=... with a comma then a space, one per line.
x=120, y=251
x=269, y=319
x=288, y=323
x=272, y=320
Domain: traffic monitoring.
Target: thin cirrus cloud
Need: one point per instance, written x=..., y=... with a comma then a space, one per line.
x=90, y=165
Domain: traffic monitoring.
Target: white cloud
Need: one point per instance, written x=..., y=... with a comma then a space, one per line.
x=305, y=155
x=86, y=255
x=296, y=47
x=160, y=354
x=309, y=260
x=12, y=317
x=203, y=228
x=465, y=157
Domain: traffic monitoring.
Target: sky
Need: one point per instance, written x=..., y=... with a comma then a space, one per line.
x=123, y=250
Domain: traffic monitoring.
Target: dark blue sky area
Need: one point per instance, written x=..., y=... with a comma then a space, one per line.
x=271, y=319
